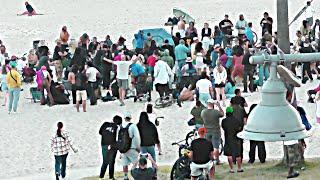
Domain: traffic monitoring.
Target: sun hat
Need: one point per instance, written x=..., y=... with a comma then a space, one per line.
x=189, y=59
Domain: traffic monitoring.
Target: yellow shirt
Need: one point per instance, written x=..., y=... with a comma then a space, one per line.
x=13, y=81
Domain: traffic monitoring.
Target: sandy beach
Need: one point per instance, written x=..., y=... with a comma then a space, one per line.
x=25, y=137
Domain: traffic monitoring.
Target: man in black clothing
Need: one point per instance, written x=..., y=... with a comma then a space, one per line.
x=248, y=71
x=306, y=71
x=201, y=155
x=266, y=24
x=108, y=132
x=93, y=46
x=226, y=28
x=166, y=45
x=238, y=99
x=106, y=67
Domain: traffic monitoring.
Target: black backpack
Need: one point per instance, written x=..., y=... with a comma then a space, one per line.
x=124, y=140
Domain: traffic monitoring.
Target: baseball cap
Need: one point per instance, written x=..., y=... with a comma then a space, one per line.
x=229, y=109
x=127, y=115
x=202, y=130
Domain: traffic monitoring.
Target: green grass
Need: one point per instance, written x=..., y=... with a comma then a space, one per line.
x=272, y=170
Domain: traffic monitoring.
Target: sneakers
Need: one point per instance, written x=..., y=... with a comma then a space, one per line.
x=293, y=175
x=57, y=176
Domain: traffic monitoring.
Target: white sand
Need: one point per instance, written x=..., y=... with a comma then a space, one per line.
x=25, y=137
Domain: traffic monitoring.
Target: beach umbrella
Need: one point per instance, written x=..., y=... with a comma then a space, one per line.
x=179, y=13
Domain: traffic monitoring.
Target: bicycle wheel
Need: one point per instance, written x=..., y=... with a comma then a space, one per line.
x=189, y=138
x=181, y=169
x=255, y=37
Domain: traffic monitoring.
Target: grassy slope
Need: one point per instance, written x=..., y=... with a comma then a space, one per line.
x=270, y=170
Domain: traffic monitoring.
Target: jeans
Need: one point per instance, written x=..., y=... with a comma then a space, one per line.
x=263, y=73
x=91, y=92
x=109, y=157
x=248, y=71
x=60, y=165
x=180, y=64
x=14, y=95
x=261, y=151
x=149, y=149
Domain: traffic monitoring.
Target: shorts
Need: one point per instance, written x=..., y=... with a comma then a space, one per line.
x=4, y=87
x=81, y=95
x=123, y=83
x=221, y=85
x=130, y=157
x=293, y=156
x=215, y=138
x=196, y=169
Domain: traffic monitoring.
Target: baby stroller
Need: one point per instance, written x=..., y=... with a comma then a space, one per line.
x=143, y=85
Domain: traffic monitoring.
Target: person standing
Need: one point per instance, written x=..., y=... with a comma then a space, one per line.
x=181, y=53
x=128, y=143
x=44, y=83
x=3, y=79
x=149, y=136
x=266, y=24
x=309, y=13
x=232, y=146
x=123, y=67
x=92, y=74
x=248, y=71
x=206, y=31
x=238, y=99
x=254, y=144
x=81, y=86
x=205, y=90
x=220, y=79
x=14, y=85
x=108, y=132
x=211, y=118
x=163, y=75
x=64, y=35
x=241, y=26
x=226, y=28
x=60, y=146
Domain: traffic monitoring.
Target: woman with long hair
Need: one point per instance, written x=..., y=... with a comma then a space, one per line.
x=238, y=68
x=220, y=78
x=60, y=146
x=149, y=135
x=204, y=89
x=79, y=58
x=200, y=54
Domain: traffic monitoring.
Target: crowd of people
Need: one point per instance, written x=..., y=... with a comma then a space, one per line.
x=207, y=68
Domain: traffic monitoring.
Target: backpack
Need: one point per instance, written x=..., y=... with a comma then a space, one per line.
x=40, y=79
x=124, y=140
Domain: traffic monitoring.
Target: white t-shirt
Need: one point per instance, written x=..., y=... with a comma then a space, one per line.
x=92, y=74
x=122, y=69
x=309, y=12
x=203, y=86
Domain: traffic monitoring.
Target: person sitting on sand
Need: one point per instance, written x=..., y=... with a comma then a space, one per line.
x=30, y=11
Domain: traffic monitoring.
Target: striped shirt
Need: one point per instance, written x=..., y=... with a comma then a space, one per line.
x=61, y=146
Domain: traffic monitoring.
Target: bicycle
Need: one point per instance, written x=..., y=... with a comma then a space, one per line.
x=181, y=168
x=193, y=135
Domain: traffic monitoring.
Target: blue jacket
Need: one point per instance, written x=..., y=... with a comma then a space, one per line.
x=139, y=40
x=137, y=69
x=181, y=52
x=249, y=34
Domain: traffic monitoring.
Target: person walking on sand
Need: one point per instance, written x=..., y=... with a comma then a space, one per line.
x=14, y=85
x=108, y=132
x=60, y=146
x=128, y=143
